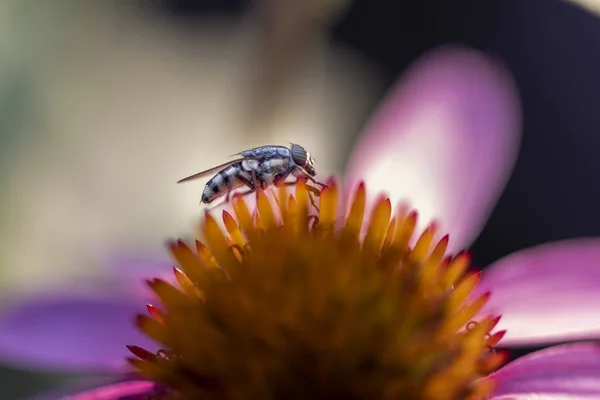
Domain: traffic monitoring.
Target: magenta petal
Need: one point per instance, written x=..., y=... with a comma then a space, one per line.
x=125, y=390
x=445, y=139
x=563, y=372
x=74, y=334
x=132, y=390
x=535, y=396
x=547, y=293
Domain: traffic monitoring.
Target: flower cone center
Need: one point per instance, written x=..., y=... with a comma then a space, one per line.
x=285, y=306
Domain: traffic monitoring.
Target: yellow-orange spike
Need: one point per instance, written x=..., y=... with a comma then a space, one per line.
x=380, y=219
x=258, y=225
x=277, y=207
x=292, y=204
x=291, y=224
x=482, y=327
x=153, y=329
x=136, y=362
x=233, y=229
x=243, y=215
x=282, y=196
x=183, y=254
x=301, y=205
x=357, y=211
x=141, y=353
x=188, y=261
x=405, y=231
x=205, y=255
x=492, y=321
x=328, y=205
x=187, y=285
x=423, y=246
x=439, y=251
x=217, y=243
x=167, y=293
x=456, y=269
x=430, y=268
x=494, y=361
x=463, y=289
x=156, y=313
x=493, y=339
x=466, y=313
x=389, y=235
x=238, y=253
x=147, y=368
x=265, y=210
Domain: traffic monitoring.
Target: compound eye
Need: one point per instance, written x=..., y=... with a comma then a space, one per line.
x=299, y=155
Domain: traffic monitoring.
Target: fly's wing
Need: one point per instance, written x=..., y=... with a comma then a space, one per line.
x=261, y=152
x=212, y=170
x=245, y=153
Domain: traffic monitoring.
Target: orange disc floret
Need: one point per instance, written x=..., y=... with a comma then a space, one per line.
x=285, y=305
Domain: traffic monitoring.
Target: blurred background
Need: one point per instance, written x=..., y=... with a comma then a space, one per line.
x=105, y=104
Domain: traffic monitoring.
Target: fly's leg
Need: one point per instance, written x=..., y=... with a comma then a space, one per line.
x=228, y=195
x=253, y=184
x=319, y=183
x=251, y=189
x=280, y=179
x=312, y=191
x=313, y=180
x=242, y=194
x=257, y=181
x=245, y=193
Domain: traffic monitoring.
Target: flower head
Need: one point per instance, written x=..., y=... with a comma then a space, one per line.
x=445, y=140
x=286, y=305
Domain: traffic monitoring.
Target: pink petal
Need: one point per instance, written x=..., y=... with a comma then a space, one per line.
x=547, y=293
x=566, y=372
x=445, y=139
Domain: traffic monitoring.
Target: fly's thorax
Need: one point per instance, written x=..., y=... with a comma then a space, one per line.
x=275, y=169
x=267, y=152
x=250, y=165
x=275, y=166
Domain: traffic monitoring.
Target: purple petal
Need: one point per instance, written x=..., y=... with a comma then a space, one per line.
x=546, y=293
x=563, y=372
x=134, y=269
x=126, y=390
x=78, y=334
x=445, y=139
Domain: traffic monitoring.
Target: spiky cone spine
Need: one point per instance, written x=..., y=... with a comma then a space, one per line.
x=279, y=307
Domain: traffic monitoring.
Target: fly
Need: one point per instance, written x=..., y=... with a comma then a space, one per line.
x=259, y=168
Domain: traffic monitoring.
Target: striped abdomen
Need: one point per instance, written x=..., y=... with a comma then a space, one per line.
x=224, y=182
